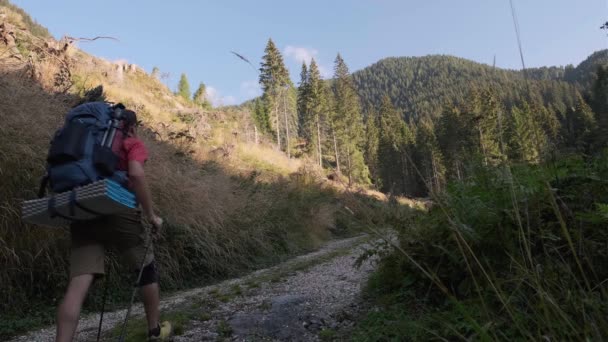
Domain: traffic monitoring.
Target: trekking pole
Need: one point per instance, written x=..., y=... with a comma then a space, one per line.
x=103, y=304
x=141, y=269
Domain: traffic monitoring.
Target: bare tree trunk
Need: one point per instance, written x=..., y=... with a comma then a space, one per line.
x=255, y=134
x=276, y=111
x=286, y=127
x=435, y=175
x=404, y=172
x=333, y=131
x=350, y=169
x=319, y=143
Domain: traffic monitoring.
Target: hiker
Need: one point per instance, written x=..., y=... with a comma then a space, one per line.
x=126, y=233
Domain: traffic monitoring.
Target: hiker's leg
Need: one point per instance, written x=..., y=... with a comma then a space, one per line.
x=135, y=243
x=151, y=297
x=69, y=310
x=86, y=261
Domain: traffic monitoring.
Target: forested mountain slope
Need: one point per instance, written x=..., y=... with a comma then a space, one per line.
x=585, y=73
x=421, y=86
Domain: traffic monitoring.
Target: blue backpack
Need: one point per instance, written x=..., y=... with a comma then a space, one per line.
x=81, y=151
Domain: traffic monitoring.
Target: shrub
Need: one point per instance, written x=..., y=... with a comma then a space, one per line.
x=508, y=254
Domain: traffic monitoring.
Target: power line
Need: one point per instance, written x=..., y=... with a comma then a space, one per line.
x=516, y=24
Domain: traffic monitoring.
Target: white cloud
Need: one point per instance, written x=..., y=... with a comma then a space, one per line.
x=325, y=72
x=217, y=99
x=251, y=89
x=303, y=54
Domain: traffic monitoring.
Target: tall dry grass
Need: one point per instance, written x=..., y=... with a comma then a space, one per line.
x=230, y=205
x=220, y=221
x=510, y=253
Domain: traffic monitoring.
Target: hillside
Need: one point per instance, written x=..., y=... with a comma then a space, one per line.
x=583, y=74
x=231, y=201
x=421, y=86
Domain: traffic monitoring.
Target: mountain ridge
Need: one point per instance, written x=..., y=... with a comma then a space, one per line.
x=421, y=86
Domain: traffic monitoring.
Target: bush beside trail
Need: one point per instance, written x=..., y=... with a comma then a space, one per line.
x=501, y=256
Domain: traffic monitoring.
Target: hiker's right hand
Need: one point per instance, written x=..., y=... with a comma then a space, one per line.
x=157, y=224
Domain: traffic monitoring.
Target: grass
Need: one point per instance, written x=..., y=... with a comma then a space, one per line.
x=266, y=305
x=223, y=329
x=327, y=335
x=501, y=256
x=137, y=328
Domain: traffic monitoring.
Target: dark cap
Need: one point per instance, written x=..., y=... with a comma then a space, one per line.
x=129, y=119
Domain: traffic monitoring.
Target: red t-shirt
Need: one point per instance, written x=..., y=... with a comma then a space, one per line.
x=130, y=149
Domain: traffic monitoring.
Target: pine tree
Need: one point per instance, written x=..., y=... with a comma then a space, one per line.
x=303, y=99
x=599, y=103
x=200, y=96
x=155, y=72
x=329, y=129
x=429, y=157
x=393, y=148
x=317, y=111
x=579, y=126
x=260, y=116
x=183, y=88
x=289, y=115
x=274, y=79
x=347, y=123
x=483, y=111
x=454, y=135
x=528, y=140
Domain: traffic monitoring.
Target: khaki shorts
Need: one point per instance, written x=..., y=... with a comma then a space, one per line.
x=125, y=232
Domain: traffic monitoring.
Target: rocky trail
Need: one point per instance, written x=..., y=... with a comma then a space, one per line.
x=309, y=298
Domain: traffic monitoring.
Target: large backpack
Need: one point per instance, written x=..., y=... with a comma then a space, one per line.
x=81, y=151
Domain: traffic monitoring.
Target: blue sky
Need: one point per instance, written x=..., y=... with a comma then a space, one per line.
x=196, y=37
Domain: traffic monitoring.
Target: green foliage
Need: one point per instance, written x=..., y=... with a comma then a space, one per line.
x=429, y=157
x=183, y=87
x=137, y=328
x=506, y=254
x=224, y=329
x=327, y=334
x=260, y=116
x=347, y=124
x=578, y=127
x=200, y=96
x=274, y=79
x=317, y=106
x=421, y=86
x=395, y=143
x=371, y=144
x=303, y=100
x=584, y=75
x=155, y=72
x=528, y=140
x=599, y=103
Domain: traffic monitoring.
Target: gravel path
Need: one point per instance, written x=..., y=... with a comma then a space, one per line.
x=302, y=299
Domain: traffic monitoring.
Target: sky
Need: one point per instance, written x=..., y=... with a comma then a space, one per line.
x=196, y=37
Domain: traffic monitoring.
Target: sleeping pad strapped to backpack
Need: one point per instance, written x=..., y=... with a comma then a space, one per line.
x=81, y=151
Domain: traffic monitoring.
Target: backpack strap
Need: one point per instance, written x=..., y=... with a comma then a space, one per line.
x=43, y=183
